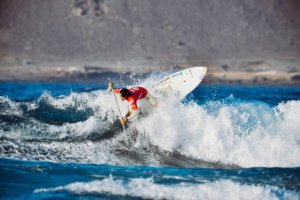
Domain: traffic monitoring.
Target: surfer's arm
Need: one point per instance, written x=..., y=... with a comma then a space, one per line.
x=132, y=114
x=134, y=110
x=129, y=116
x=115, y=90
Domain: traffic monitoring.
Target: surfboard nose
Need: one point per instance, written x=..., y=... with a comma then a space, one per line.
x=198, y=72
x=199, y=69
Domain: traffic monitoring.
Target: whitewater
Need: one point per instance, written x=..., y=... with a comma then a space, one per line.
x=228, y=131
x=235, y=129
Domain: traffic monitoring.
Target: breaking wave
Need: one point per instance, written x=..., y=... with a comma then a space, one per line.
x=148, y=189
x=83, y=127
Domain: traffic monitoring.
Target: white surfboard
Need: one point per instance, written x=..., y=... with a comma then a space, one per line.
x=181, y=83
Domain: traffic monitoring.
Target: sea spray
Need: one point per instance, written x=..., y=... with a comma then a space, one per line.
x=246, y=134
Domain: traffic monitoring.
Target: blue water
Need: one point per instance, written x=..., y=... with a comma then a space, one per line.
x=63, y=140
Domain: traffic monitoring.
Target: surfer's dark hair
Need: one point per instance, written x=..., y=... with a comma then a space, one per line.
x=124, y=92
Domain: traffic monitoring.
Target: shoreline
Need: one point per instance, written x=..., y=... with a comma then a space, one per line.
x=214, y=76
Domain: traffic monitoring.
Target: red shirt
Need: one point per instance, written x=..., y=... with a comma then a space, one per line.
x=136, y=93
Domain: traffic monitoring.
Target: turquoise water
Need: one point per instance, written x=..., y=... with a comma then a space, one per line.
x=63, y=140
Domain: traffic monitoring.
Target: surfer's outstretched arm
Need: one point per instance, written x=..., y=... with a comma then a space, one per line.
x=112, y=89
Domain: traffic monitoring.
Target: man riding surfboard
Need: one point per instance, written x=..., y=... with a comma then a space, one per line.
x=132, y=95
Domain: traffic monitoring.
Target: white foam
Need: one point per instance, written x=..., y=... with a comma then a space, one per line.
x=246, y=134
x=8, y=107
x=148, y=189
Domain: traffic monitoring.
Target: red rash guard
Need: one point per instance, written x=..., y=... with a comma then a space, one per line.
x=136, y=93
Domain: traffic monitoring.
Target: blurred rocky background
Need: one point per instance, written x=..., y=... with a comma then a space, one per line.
x=241, y=41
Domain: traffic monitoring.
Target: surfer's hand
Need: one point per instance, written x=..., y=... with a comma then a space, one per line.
x=110, y=86
x=124, y=121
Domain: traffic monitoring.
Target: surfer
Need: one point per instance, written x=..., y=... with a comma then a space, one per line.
x=132, y=95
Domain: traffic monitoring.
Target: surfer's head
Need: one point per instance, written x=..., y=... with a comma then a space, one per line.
x=124, y=93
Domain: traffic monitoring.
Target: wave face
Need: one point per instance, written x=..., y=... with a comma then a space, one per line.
x=214, y=127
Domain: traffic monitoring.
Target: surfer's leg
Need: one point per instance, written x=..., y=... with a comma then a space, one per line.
x=152, y=100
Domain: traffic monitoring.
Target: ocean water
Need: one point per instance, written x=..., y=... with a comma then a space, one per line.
x=63, y=141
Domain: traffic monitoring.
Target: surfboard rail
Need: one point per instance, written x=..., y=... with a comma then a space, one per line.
x=182, y=82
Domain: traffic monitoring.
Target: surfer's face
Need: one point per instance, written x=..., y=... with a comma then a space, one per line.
x=122, y=98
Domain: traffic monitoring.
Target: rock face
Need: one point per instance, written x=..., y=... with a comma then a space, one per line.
x=156, y=31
